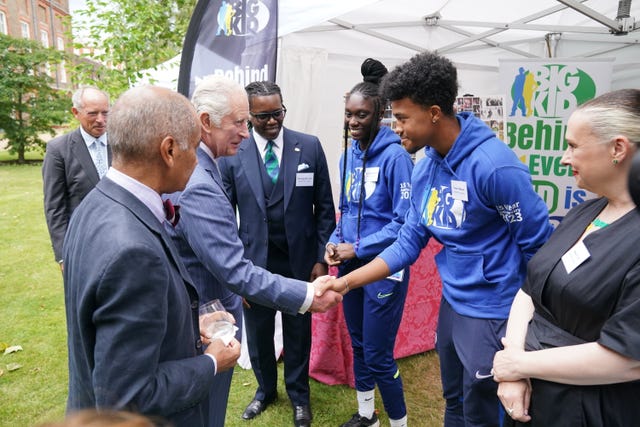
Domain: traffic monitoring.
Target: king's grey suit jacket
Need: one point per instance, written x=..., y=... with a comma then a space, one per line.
x=207, y=239
x=68, y=174
x=132, y=314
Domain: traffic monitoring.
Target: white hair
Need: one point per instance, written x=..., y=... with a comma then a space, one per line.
x=213, y=95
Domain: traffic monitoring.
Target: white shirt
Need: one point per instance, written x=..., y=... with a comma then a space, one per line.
x=261, y=143
x=88, y=139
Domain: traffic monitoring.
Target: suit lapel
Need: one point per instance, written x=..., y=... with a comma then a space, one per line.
x=124, y=197
x=212, y=169
x=81, y=152
x=252, y=167
x=291, y=152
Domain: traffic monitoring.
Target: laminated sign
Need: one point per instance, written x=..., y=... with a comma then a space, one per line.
x=540, y=96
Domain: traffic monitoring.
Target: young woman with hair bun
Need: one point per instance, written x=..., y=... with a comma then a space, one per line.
x=374, y=196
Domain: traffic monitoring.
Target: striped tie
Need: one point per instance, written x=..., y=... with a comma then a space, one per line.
x=271, y=162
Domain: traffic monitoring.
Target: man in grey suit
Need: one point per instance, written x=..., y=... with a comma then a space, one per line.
x=75, y=162
x=131, y=308
x=207, y=234
x=279, y=182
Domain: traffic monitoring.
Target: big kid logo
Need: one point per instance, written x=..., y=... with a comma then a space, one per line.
x=242, y=18
x=441, y=210
x=550, y=91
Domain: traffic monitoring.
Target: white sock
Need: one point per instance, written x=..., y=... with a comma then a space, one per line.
x=402, y=422
x=366, y=403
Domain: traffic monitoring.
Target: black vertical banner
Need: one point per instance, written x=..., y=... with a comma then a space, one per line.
x=235, y=38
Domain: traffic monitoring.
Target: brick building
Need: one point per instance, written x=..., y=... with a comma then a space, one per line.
x=42, y=20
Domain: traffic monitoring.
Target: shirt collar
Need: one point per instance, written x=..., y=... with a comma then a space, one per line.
x=149, y=197
x=207, y=150
x=261, y=142
x=88, y=139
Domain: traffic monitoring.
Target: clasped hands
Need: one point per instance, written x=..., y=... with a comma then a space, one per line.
x=514, y=390
x=335, y=254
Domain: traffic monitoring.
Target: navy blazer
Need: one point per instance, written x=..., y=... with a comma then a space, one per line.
x=309, y=213
x=132, y=314
x=68, y=174
x=207, y=239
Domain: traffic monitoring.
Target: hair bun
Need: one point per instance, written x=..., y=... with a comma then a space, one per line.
x=373, y=70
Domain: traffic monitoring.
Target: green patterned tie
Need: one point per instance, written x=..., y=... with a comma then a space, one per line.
x=271, y=162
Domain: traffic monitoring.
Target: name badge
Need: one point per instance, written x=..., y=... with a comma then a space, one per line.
x=372, y=174
x=304, y=179
x=459, y=190
x=575, y=256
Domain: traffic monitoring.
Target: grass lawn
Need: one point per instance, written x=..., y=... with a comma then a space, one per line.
x=32, y=316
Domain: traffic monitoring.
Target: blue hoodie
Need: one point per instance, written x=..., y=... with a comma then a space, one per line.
x=478, y=201
x=387, y=192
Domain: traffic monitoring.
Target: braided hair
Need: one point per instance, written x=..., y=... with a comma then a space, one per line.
x=263, y=88
x=372, y=72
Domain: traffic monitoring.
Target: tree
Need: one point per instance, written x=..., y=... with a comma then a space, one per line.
x=29, y=103
x=128, y=37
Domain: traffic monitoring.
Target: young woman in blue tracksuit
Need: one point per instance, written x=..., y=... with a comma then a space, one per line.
x=375, y=191
x=473, y=195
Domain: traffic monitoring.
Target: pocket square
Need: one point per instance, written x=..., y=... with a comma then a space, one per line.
x=302, y=166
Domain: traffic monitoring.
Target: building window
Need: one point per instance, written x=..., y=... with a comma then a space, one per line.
x=59, y=23
x=62, y=68
x=24, y=30
x=3, y=23
x=44, y=38
x=42, y=12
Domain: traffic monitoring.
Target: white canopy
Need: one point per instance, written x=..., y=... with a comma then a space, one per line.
x=323, y=43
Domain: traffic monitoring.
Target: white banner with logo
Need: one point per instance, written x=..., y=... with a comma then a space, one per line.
x=540, y=96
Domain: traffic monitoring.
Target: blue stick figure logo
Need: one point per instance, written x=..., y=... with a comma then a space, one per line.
x=524, y=86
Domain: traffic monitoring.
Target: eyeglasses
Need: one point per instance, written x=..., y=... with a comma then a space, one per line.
x=265, y=117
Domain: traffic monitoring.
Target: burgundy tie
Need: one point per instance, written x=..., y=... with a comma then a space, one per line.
x=172, y=212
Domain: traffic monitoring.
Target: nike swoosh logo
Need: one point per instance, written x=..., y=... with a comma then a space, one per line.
x=369, y=399
x=482, y=377
x=381, y=295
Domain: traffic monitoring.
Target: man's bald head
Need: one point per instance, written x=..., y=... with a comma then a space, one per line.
x=143, y=116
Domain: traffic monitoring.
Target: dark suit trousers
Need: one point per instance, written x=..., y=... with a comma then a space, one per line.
x=296, y=331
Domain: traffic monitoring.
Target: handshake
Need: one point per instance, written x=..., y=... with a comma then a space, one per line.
x=329, y=289
x=328, y=293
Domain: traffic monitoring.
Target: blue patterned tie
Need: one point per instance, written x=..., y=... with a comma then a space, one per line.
x=101, y=165
x=271, y=162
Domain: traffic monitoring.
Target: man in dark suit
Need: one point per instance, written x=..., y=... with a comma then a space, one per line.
x=207, y=235
x=132, y=310
x=279, y=182
x=75, y=162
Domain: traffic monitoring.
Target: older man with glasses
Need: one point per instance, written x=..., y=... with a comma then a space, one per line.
x=279, y=183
